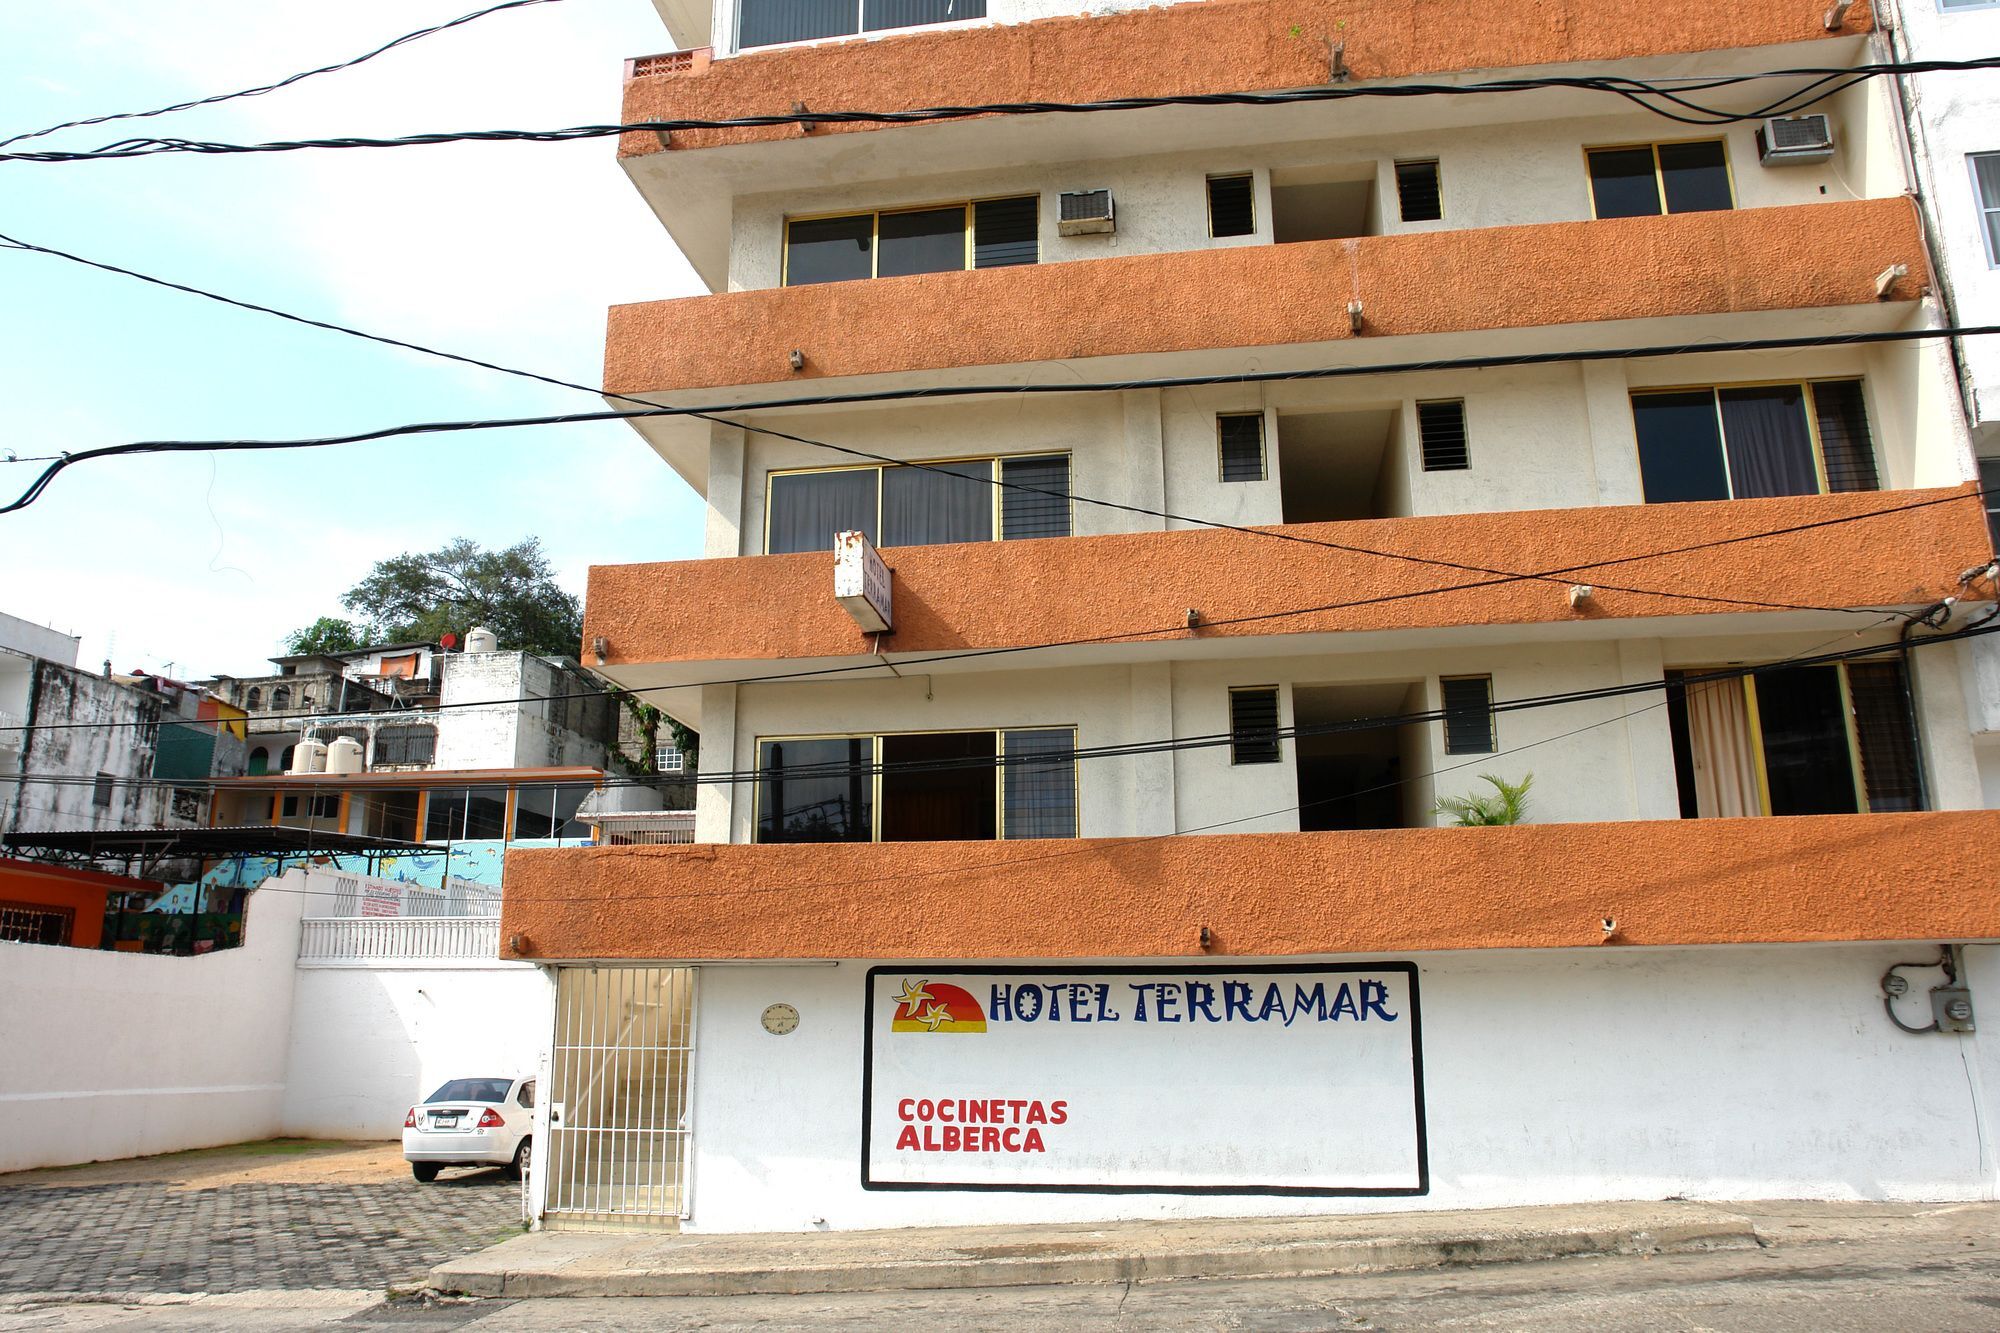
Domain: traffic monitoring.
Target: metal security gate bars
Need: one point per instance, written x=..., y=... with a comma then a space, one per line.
x=618, y=1096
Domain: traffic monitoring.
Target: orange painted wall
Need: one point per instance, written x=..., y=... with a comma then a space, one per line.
x=1721, y=881
x=998, y=594
x=84, y=891
x=1426, y=282
x=1216, y=46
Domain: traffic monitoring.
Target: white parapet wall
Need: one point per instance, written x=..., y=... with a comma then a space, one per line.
x=107, y=1055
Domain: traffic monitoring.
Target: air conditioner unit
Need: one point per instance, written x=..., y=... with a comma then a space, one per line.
x=1086, y=213
x=1784, y=141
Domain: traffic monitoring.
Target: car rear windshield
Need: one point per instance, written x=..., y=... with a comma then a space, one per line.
x=472, y=1090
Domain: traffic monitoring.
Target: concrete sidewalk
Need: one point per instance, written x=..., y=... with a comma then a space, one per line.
x=573, y=1263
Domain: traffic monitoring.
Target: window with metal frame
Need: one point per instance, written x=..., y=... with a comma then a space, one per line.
x=101, y=791
x=33, y=923
x=918, y=504
x=1418, y=191
x=1253, y=724
x=1644, y=180
x=465, y=813
x=1826, y=739
x=1989, y=482
x=892, y=243
x=1240, y=442
x=1232, y=205
x=1468, y=714
x=406, y=745
x=1441, y=433
x=1986, y=197
x=1747, y=441
x=918, y=786
x=770, y=22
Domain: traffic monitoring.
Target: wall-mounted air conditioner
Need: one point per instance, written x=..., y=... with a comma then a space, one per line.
x=1785, y=141
x=1086, y=213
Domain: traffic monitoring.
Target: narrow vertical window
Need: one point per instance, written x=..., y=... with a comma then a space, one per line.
x=1468, y=714
x=1038, y=792
x=1883, y=735
x=1986, y=191
x=1802, y=725
x=1253, y=725
x=1042, y=511
x=1006, y=232
x=1240, y=436
x=1441, y=431
x=1844, y=442
x=100, y=795
x=1989, y=482
x=1418, y=191
x=1230, y=207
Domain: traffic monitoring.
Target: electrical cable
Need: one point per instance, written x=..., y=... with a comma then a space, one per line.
x=994, y=479
x=1825, y=82
x=285, y=82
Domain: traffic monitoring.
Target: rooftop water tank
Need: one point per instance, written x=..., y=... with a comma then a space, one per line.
x=482, y=640
x=344, y=755
x=308, y=756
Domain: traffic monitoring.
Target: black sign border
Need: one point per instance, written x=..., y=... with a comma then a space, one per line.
x=1408, y=969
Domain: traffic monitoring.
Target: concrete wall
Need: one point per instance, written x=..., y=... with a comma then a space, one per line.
x=367, y=1041
x=1732, y=1073
x=32, y=640
x=106, y=1055
x=548, y=730
x=122, y=744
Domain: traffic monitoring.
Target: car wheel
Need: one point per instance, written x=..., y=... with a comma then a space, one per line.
x=425, y=1172
x=523, y=1155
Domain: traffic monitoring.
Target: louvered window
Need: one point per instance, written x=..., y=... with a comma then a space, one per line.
x=1038, y=783
x=1418, y=191
x=1468, y=714
x=1041, y=512
x=1883, y=735
x=1845, y=445
x=1004, y=232
x=1989, y=481
x=1230, y=209
x=1441, y=429
x=1241, y=438
x=1253, y=725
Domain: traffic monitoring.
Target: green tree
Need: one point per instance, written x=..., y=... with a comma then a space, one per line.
x=328, y=634
x=424, y=595
x=1507, y=805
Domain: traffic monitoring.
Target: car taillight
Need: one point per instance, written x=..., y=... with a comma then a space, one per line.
x=490, y=1119
x=410, y=1120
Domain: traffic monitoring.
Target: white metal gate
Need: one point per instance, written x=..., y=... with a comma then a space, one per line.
x=618, y=1095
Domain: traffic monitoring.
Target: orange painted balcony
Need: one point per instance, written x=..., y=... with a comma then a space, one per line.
x=1218, y=46
x=1559, y=273
x=979, y=595
x=1820, y=879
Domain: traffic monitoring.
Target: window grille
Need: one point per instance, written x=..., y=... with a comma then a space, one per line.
x=1441, y=429
x=1418, y=191
x=1253, y=725
x=1231, y=206
x=1026, y=513
x=1468, y=714
x=26, y=923
x=1241, y=440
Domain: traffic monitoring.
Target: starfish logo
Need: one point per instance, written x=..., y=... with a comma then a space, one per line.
x=933, y=1006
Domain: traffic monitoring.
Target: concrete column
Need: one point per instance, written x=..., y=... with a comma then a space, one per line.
x=1649, y=745
x=724, y=536
x=715, y=803
x=1152, y=774
x=1145, y=462
x=1951, y=766
x=1614, y=444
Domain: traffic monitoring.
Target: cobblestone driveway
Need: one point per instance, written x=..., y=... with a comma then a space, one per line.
x=152, y=1237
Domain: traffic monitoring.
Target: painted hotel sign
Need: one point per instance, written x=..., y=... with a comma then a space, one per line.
x=1245, y=1080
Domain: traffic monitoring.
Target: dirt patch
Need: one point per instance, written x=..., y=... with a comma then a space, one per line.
x=270, y=1161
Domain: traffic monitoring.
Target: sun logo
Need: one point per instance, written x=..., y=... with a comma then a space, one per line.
x=932, y=1006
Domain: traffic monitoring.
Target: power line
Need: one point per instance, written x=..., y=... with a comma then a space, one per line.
x=1658, y=97
x=994, y=479
x=285, y=82
x=335, y=720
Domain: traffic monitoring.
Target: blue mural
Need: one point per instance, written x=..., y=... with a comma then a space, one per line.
x=475, y=862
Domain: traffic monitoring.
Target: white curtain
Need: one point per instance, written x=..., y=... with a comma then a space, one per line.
x=1725, y=754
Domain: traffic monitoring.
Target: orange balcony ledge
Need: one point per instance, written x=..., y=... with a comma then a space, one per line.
x=1820, y=879
x=1214, y=47
x=1423, y=283
x=1001, y=594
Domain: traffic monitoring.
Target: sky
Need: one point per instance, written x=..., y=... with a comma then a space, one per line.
x=196, y=564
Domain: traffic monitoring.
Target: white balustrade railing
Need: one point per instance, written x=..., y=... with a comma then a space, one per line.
x=369, y=938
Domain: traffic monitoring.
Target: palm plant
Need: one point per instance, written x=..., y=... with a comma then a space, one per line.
x=1507, y=805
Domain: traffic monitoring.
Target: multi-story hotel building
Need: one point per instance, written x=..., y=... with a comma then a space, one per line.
x=1248, y=480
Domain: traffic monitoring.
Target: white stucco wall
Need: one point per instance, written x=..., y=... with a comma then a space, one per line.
x=1553, y=1076
x=368, y=1041
x=106, y=1055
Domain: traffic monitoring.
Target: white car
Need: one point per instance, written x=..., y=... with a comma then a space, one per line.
x=471, y=1122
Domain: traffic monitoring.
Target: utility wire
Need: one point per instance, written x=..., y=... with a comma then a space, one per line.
x=1658, y=97
x=995, y=479
x=285, y=82
x=41, y=483
x=331, y=721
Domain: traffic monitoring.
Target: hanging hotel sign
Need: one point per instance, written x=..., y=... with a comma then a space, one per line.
x=861, y=582
x=1204, y=1080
